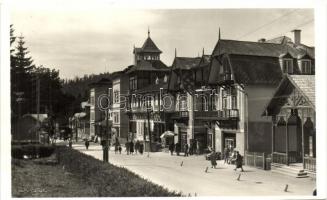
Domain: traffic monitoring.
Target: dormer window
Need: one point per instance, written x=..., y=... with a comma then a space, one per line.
x=306, y=66
x=287, y=66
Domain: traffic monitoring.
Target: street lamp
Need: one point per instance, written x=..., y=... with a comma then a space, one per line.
x=148, y=111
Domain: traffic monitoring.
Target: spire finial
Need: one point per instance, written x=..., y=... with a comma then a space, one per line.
x=148, y=31
x=203, y=51
x=219, y=34
x=175, y=52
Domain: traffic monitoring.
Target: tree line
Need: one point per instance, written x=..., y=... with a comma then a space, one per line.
x=25, y=77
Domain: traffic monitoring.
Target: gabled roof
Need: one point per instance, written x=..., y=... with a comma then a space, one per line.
x=186, y=63
x=305, y=84
x=148, y=65
x=101, y=82
x=257, y=48
x=205, y=60
x=150, y=47
x=255, y=70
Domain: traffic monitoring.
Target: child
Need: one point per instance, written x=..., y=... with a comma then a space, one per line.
x=119, y=149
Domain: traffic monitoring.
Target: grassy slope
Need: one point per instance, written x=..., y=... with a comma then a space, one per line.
x=33, y=180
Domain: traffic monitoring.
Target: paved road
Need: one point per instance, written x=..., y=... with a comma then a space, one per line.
x=191, y=178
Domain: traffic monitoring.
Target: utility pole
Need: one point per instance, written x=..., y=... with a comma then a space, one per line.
x=107, y=132
x=149, y=129
x=38, y=107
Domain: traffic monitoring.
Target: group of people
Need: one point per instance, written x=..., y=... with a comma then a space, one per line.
x=233, y=157
x=131, y=147
x=187, y=150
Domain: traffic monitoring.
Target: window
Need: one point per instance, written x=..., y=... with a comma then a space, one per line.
x=306, y=67
x=288, y=66
x=116, y=117
x=133, y=83
x=234, y=102
x=116, y=96
x=224, y=100
x=92, y=115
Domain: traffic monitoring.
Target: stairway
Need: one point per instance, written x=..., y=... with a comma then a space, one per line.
x=295, y=170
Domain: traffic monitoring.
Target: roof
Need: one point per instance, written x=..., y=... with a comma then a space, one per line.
x=258, y=70
x=186, y=63
x=259, y=48
x=101, y=82
x=149, y=46
x=305, y=84
x=205, y=60
x=144, y=65
x=279, y=40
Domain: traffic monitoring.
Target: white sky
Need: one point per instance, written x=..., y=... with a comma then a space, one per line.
x=85, y=38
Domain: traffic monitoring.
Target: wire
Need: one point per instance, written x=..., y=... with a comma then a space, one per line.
x=266, y=24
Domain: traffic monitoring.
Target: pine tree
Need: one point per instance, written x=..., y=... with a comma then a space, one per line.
x=21, y=73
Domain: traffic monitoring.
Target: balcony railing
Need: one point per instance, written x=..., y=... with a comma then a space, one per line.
x=310, y=164
x=180, y=114
x=228, y=113
x=225, y=78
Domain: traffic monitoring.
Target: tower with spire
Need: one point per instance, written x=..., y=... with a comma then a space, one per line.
x=149, y=51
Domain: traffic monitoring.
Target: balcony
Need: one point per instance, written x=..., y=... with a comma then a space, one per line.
x=226, y=114
x=225, y=79
x=180, y=115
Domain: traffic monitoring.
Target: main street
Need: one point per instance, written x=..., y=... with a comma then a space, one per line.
x=187, y=174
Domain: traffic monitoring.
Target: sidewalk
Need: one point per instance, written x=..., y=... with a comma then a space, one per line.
x=191, y=178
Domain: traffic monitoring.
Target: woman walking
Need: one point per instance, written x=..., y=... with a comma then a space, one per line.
x=239, y=161
x=213, y=159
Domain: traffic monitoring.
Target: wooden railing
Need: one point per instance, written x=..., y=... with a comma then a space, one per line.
x=205, y=114
x=180, y=114
x=258, y=160
x=228, y=113
x=310, y=164
x=279, y=158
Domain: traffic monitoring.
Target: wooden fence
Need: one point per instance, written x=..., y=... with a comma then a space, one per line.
x=310, y=164
x=258, y=160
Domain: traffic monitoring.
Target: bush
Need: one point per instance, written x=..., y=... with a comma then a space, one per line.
x=31, y=151
x=107, y=179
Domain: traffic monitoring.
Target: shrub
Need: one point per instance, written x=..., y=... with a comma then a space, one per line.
x=107, y=179
x=31, y=150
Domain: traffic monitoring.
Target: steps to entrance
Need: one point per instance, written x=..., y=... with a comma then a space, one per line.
x=291, y=170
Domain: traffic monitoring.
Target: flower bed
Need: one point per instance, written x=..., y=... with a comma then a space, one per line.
x=108, y=180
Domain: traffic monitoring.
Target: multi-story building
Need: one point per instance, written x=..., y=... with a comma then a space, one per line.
x=119, y=117
x=245, y=75
x=147, y=73
x=97, y=102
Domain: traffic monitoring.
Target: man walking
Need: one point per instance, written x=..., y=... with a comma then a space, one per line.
x=239, y=161
x=186, y=149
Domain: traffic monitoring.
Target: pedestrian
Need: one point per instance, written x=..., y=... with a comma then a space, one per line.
x=226, y=155
x=186, y=149
x=141, y=148
x=177, y=148
x=171, y=148
x=239, y=161
x=119, y=149
x=127, y=147
x=131, y=148
x=70, y=143
x=213, y=159
x=87, y=143
x=137, y=146
x=191, y=148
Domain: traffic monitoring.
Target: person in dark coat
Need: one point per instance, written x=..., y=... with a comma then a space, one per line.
x=177, y=148
x=141, y=148
x=87, y=143
x=186, y=149
x=239, y=161
x=137, y=146
x=131, y=148
x=119, y=149
x=213, y=159
x=127, y=145
x=171, y=148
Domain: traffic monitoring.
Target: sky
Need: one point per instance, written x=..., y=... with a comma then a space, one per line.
x=91, y=38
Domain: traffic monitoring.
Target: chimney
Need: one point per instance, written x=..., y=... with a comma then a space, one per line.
x=262, y=40
x=297, y=36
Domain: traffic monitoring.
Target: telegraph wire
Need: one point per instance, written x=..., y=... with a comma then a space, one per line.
x=266, y=24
